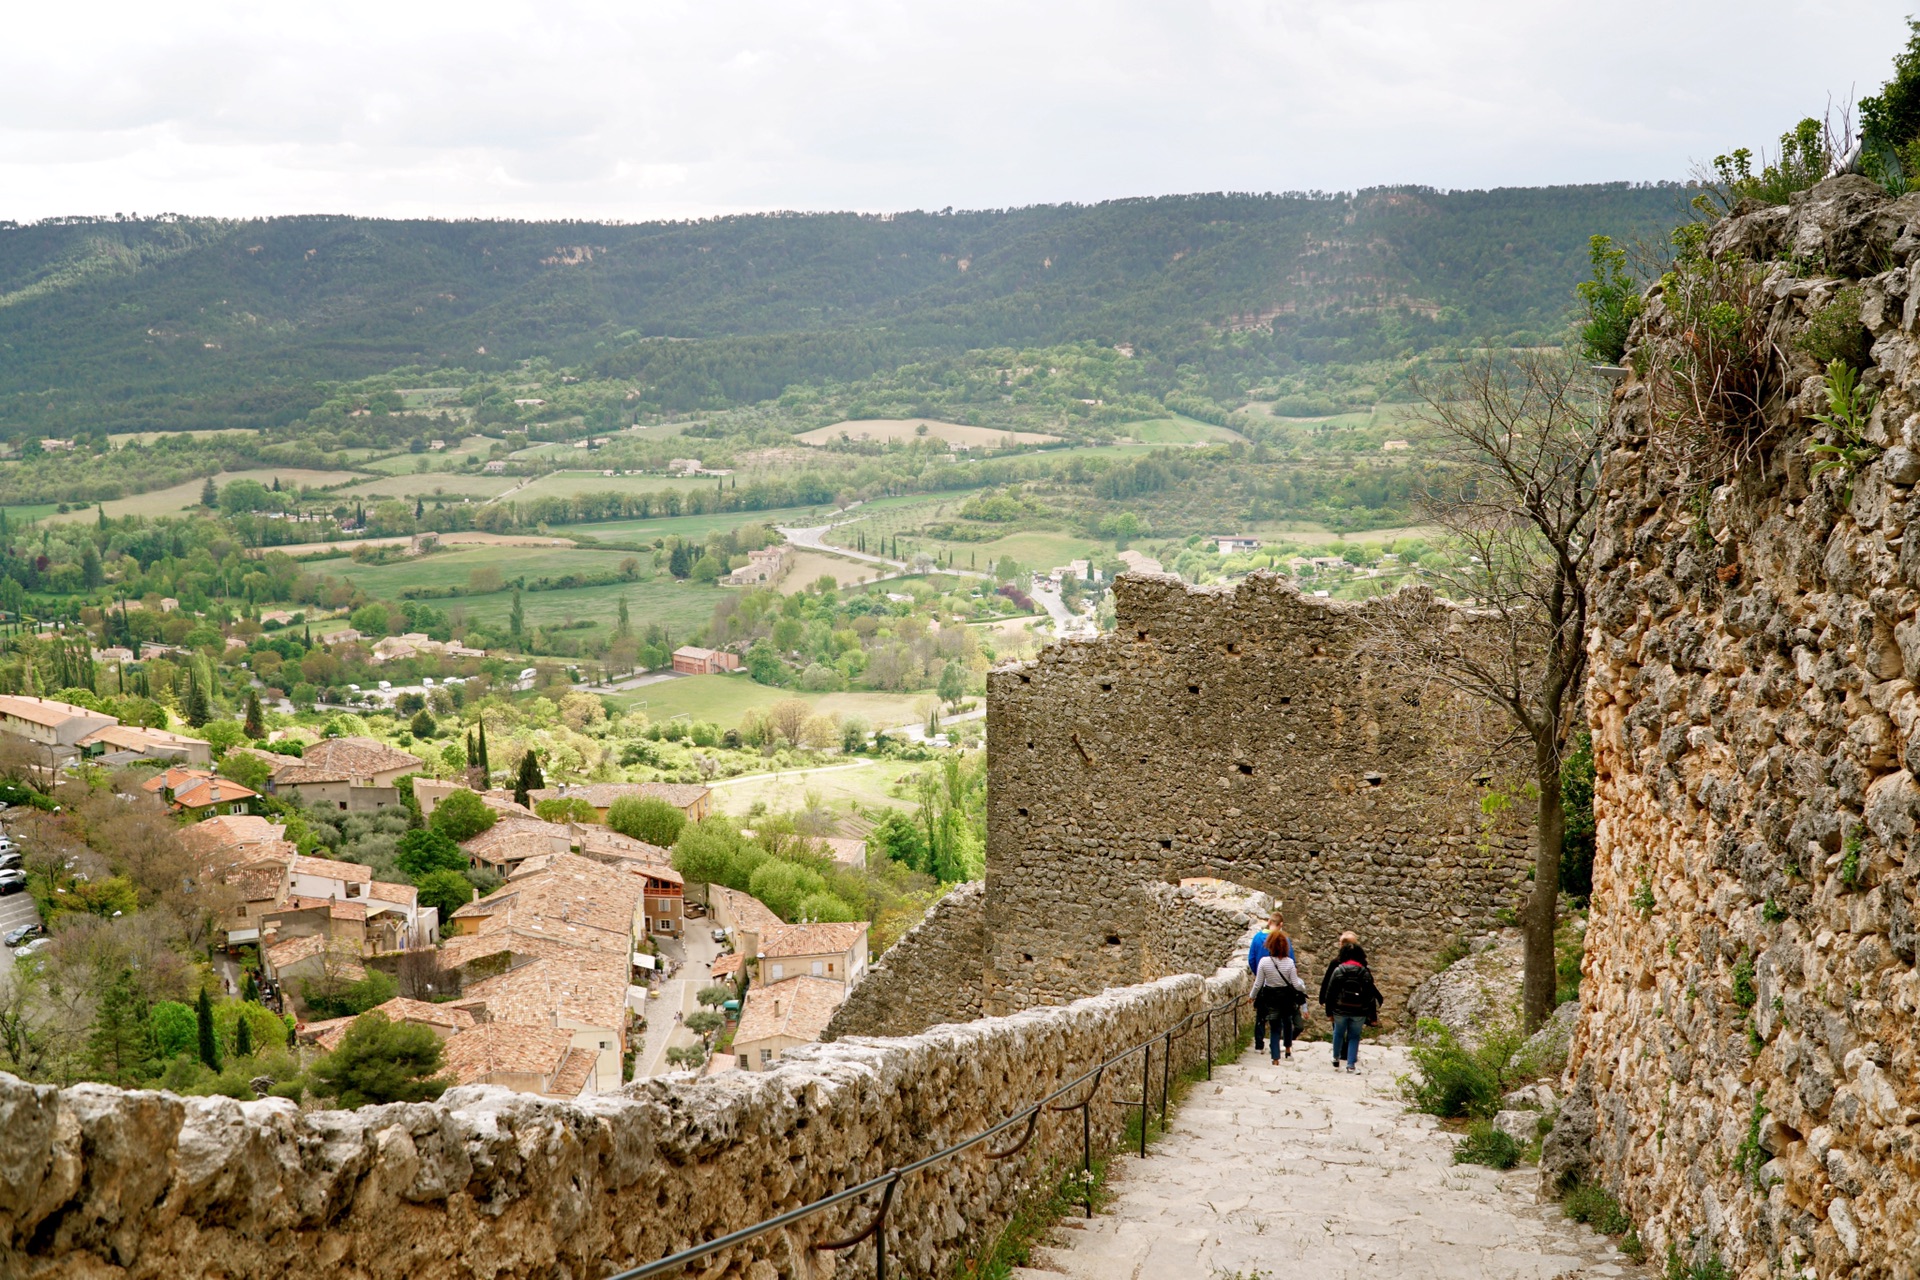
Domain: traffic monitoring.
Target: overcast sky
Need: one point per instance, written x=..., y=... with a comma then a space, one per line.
x=673, y=108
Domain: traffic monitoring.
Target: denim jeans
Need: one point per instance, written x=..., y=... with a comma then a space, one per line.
x=1346, y=1037
x=1274, y=1025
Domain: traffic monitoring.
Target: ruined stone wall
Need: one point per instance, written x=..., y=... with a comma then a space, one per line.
x=486, y=1183
x=933, y=973
x=1746, y=1052
x=1238, y=732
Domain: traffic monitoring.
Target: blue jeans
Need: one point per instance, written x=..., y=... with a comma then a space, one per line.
x=1272, y=1023
x=1346, y=1037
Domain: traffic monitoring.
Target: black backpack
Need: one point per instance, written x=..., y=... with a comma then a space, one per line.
x=1347, y=989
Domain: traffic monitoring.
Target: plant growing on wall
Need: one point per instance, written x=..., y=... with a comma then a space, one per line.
x=1845, y=448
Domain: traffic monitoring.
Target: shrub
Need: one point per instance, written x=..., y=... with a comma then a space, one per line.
x=1455, y=1080
x=1487, y=1145
x=1596, y=1207
x=381, y=1061
x=567, y=809
x=1612, y=301
x=1834, y=332
x=423, y=852
x=647, y=818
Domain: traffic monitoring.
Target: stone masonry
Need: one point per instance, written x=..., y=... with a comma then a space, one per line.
x=96, y=1181
x=1240, y=733
x=930, y=975
x=1747, y=1065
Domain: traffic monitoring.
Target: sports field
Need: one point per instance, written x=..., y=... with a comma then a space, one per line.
x=891, y=429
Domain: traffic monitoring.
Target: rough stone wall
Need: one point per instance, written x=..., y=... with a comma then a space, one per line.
x=1240, y=733
x=95, y=1181
x=930, y=975
x=1746, y=1054
x=1191, y=926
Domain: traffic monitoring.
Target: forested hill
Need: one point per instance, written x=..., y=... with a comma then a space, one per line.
x=175, y=323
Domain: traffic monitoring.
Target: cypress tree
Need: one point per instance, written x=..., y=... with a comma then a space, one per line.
x=243, y=1038
x=516, y=616
x=209, y=1046
x=251, y=992
x=256, y=725
x=486, y=768
x=529, y=779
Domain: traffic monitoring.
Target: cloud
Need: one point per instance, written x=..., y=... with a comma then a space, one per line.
x=664, y=108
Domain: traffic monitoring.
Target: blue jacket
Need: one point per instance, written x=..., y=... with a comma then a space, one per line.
x=1259, y=948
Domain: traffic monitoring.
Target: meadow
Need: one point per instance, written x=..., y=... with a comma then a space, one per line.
x=447, y=486
x=446, y=459
x=453, y=568
x=1177, y=430
x=868, y=784
x=694, y=528
x=723, y=700
x=565, y=484
x=174, y=499
x=892, y=429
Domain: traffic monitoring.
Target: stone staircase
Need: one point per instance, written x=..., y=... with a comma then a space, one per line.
x=1300, y=1171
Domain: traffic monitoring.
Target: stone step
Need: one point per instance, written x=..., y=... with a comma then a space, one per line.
x=1078, y=1266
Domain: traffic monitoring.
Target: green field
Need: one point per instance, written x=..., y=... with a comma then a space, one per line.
x=868, y=784
x=37, y=511
x=565, y=484
x=431, y=485
x=681, y=607
x=692, y=528
x=444, y=460
x=452, y=568
x=724, y=699
x=1181, y=431
x=175, y=498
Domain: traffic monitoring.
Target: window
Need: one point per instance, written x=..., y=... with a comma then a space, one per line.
x=818, y=968
x=779, y=972
x=766, y=1056
x=829, y=966
x=606, y=1044
x=745, y=1063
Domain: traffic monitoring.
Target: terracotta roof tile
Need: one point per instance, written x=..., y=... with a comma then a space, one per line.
x=343, y=760
x=205, y=791
x=681, y=795
x=499, y=1047
x=587, y=987
x=812, y=939
x=798, y=1008
x=746, y=911
x=575, y=1070
x=327, y=868
x=44, y=710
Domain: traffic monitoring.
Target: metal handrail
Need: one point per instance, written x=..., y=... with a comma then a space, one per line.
x=1029, y=1115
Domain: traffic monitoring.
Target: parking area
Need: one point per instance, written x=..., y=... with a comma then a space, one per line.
x=16, y=909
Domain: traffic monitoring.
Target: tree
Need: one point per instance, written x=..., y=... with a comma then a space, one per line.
x=689, y=1055
x=381, y=1061
x=448, y=891
x=425, y=851
x=209, y=494
x=622, y=623
x=199, y=703
x=529, y=779
x=423, y=725
x=953, y=682
x=715, y=996
x=486, y=771
x=256, y=722
x=461, y=816
x=516, y=617
x=242, y=1040
x=567, y=809
x=647, y=818
x=203, y=1018
x=789, y=718
x=1519, y=443
x=120, y=1046
x=704, y=1022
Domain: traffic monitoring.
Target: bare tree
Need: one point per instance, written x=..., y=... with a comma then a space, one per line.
x=1518, y=438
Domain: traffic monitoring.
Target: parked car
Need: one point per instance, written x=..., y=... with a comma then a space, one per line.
x=32, y=948
x=719, y=935
x=10, y=862
x=12, y=882
x=14, y=937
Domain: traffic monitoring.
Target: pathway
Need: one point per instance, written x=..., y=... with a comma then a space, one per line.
x=1298, y=1170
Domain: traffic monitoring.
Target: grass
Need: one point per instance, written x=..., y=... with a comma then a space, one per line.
x=807, y=567
x=565, y=484
x=1178, y=430
x=682, y=608
x=431, y=485
x=452, y=568
x=170, y=501
x=722, y=700
x=1487, y=1145
x=910, y=429
x=692, y=528
x=868, y=786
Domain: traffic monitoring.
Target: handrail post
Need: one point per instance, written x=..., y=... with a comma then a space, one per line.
x=1146, y=1093
x=1209, y=1044
x=1166, y=1081
x=1086, y=1153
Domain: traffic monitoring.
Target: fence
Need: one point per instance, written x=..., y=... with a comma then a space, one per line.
x=889, y=1182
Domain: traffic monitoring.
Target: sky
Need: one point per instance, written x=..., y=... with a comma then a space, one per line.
x=649, y=109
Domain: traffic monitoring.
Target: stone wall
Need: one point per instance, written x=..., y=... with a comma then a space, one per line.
x=1240, y=733
x=930, y=975
x=96, y=1181
x=1746, y=1054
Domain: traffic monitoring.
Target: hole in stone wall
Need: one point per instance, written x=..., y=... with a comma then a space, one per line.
x=1143, y=635
x=1166, y=844
x=1029, y=746
x=1026, y=958
x=1374, y=779
x=1106, y=686
x=1026, y=679
x=1232, y=647
x=1113, y=939
x=1021, y=811
x=1193, y=688
x=1286, y=700
x=1246, y=769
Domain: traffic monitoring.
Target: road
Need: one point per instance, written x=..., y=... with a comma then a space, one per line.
x=1065, y=621
x=677, y=994
x=814, y=539
x=16, y=909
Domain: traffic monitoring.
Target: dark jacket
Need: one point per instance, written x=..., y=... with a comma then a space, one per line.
x=1348, y=989
x=1349, y=952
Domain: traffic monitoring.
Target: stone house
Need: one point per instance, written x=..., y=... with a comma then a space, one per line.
x=689, y=798
x=524, y=1058
x=506, y=845
x=126, y=743
x=836, y=952
x=764, y=565
x=582, y=995
x=443, y=1020
x=349, y=774
x=212, y=796
x=746, y=919
x=665, y=888
x=780, y=1015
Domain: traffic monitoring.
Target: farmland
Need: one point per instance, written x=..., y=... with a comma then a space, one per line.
x=723, y=700
x=565, y=484
x=868, y=784
x=693, y=528
x=175, y=498
x=903, y=429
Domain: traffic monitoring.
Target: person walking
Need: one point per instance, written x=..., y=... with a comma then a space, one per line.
x=1351, y=1000
x=1278, y=994
x=1257, y=950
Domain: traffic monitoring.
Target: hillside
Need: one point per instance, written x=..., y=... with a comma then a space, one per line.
x=180, y=323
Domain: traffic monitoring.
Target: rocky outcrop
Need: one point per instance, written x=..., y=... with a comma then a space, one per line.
x=1748, y=1031
x=95, y=1181
x=1477, y=992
